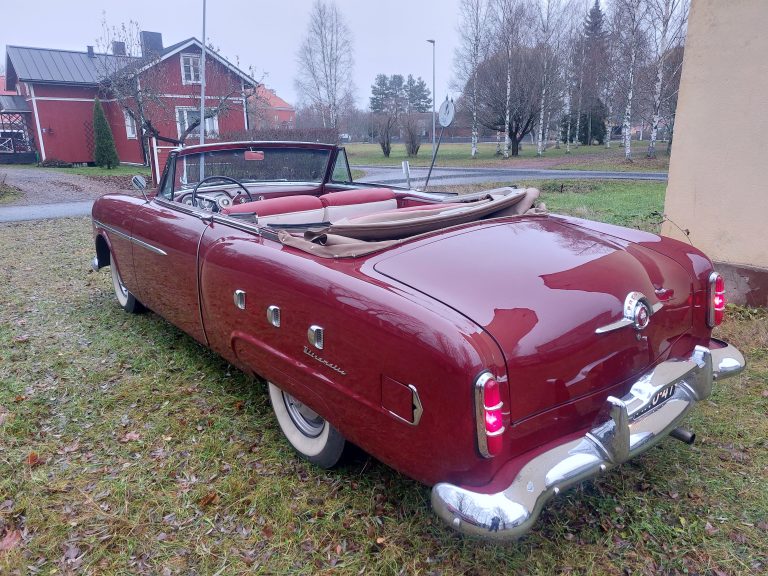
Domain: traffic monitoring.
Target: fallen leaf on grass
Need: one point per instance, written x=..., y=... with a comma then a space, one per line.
x=3, y=417
x=709, y=529
x=380, y=540
x=130, y=437
x=22, y=338
x=208, y=499
x=10, y=540
x=239, y=405
x=33, y=459
x=19, y=399
x=267, y=532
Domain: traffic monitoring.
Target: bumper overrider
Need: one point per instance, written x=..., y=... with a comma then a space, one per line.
x=634, y=424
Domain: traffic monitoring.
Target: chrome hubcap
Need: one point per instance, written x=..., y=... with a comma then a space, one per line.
x=309, y=422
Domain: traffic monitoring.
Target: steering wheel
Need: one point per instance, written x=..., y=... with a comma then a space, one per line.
x=228, y=179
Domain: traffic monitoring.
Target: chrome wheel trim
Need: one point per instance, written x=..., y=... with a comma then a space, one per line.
x=306, y=420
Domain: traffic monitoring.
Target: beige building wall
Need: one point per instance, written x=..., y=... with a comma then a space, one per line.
x=718, y=175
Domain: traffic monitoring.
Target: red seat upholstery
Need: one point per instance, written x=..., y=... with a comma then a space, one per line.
x=361, y=196
x=272, y=206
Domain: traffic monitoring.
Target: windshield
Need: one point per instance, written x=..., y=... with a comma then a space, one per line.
x=252, y=165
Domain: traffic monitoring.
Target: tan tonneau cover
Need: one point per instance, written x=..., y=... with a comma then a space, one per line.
x=367, y=234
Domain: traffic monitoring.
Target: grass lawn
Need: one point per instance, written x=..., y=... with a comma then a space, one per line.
x=633, y=203
x=8, y=193
x=580, y=158
x=127, y=448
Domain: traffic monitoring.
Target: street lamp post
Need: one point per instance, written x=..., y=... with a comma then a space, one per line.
x=433, y=96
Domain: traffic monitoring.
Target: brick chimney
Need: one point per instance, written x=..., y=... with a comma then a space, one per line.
x=151, y=43
x=90, y=52
x=118, y=48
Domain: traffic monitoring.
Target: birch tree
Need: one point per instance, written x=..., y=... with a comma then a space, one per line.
x=668, y=20
x=630, y=21
x=550, y=15
x=325, y=63
x=473, y=49
x=510, y=18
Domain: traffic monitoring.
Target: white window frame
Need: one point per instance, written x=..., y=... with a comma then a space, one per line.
x=192, y=57
x=211, y=124
x=130, y=126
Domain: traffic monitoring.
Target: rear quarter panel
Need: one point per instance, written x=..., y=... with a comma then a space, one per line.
x=372, y=331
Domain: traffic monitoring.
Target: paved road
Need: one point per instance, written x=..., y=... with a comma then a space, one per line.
x=45, y=211
x=379, y=174
x=453, y=176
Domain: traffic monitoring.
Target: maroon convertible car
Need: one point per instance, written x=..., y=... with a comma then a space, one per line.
x=475, y=343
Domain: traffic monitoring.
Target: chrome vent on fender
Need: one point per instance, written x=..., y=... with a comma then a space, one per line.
x=273, y=316
x=315, y=336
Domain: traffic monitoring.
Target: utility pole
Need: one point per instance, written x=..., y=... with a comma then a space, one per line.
x=202, y=85
x=433, y=95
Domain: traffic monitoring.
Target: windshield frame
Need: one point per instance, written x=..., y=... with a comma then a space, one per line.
x=306, y=149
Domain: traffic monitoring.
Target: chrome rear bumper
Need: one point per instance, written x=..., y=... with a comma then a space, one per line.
x=633, y=425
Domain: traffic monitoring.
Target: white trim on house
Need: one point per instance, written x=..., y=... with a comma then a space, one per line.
x=210, y=53
x=193, y=57
x=65, y=99
x=130, y=126
x=31, y=89
x=212, y=132
x=245, y=103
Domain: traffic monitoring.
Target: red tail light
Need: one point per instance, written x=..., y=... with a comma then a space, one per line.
x=716, y=298
x=488, y=415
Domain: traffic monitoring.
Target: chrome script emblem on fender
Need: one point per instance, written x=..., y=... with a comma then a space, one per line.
x=637, y=312
x=333, y=367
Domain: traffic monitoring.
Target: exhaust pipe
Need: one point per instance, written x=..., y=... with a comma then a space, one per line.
x=683, y=435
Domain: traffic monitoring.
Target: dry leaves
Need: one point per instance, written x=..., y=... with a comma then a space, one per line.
x=10, y=540
x=208, y=499
x=33, y=459
x=130, y=437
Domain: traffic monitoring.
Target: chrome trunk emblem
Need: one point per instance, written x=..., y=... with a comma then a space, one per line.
x=637, y=313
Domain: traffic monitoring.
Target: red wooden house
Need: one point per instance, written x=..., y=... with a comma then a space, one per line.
x=59, y=88
x=267, y=110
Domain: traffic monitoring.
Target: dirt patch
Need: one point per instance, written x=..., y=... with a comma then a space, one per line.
x=50, y=186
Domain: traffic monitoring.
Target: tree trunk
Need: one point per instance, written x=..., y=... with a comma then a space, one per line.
x=514, y=147
x=626, y=126
x=578, y=104
x=507, y=105
x=540, y=135
x=662, y=51
x=568, y=121
x=474, y=114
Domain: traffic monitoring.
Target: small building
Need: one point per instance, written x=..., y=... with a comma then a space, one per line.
x=58, y=89
x=267, y=110
x=717, y=196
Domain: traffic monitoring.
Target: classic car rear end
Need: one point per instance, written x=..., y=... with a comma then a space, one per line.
x=498, y=353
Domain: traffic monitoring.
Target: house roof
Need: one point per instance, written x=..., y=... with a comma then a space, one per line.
x=13, y=104
x=72, y=67
x=270, y=99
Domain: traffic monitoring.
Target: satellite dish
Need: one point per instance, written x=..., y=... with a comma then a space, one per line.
x=446, y=113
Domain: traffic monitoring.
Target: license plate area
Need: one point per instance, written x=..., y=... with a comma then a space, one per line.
x=657, y=399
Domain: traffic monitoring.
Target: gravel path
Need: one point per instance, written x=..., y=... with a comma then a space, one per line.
x=51, y=186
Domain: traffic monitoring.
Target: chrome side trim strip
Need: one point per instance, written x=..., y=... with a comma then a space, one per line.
x=130, y=238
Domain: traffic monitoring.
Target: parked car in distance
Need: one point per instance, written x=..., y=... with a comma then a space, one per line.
x=476, y=343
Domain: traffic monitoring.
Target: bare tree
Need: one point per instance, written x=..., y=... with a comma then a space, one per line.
x=510, y=19
x=668, y=20
x=130, y=77
x=475, y=40
x=550, y=20
x=325, y=63
x=630, y=18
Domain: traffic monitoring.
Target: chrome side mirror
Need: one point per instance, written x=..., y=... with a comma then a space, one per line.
x=140, y=183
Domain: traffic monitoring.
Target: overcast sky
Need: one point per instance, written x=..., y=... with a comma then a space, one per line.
x=389, y=37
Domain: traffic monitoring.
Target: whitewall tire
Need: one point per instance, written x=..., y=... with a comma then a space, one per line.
x=308, y=432
x=124, y=297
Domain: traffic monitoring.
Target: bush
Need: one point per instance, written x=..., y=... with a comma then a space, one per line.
x=55, y=163
x=105, y=153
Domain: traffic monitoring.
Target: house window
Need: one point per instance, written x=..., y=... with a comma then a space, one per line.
x=130, y=125
x=190, y=68
x=186, y=116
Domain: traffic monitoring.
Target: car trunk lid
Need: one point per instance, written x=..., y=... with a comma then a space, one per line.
x=541, y=288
